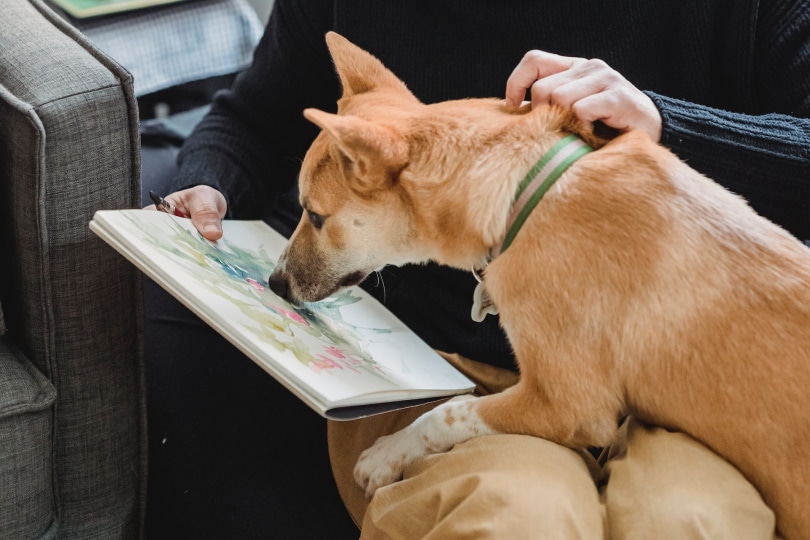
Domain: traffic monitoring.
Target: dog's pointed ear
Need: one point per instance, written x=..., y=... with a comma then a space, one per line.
x=376, y=154
x=358, y=70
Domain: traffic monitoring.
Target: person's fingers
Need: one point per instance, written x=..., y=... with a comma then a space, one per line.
x=583, y=78
x=206, y=206
x=590, y=88
x=564, y=89
x=533, y=66
x=207, y=221
x=620, y=108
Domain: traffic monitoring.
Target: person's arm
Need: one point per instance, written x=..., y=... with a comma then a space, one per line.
x=250, y=145
x=764, y=157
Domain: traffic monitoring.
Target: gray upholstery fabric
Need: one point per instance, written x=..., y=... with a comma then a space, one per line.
x=25, y=431
x=68, y=147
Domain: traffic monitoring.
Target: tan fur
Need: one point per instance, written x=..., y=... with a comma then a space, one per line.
x=636, y=286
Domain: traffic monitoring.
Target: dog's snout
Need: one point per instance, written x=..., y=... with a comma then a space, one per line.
x=278, y=284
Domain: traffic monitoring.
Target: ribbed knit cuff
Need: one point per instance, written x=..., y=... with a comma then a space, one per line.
x=702, y=131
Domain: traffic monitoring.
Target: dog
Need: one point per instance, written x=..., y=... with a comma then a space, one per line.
x=636, y=285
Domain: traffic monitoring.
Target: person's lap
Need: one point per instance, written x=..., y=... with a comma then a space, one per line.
x=657, y=484
x=496, y=486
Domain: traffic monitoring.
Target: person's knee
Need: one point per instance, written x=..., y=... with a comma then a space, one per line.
x=681, y=512
x=503, y=486
x=668, y=485
x=534, y=504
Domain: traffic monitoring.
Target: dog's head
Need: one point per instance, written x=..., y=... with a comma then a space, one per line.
x=374, y=185
x=356, y=216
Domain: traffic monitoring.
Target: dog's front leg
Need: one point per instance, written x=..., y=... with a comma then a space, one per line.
x=438, y=430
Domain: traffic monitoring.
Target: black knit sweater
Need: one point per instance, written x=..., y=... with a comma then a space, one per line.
x=730, y=77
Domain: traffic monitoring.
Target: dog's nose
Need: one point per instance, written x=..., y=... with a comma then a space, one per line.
x=278, y=284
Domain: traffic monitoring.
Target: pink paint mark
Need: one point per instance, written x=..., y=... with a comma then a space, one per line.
x=288, y=314
x=294, y=316
x=334, y=351
x=320, y=364
x=324, y=362
x=327, y=362
x=256, y=285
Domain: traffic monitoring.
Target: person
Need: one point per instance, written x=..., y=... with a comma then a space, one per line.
x=724, y=85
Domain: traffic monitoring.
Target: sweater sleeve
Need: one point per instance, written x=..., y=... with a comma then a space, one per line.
x=763, y=157
x=250, y=145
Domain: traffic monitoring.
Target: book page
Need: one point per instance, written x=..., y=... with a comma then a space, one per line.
x=345, y=350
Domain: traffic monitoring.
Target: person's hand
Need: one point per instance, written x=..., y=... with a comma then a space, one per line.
x=204, y=205
x=590, y=88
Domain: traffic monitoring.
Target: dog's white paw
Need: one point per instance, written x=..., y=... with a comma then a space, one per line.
x=437, y=430
x=386, y=460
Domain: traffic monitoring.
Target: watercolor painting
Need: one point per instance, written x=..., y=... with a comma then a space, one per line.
x=241, y=275
x=347, y=349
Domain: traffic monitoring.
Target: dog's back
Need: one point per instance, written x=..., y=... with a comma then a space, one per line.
x=698, y=309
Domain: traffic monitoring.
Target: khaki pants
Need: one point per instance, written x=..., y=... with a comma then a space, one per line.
x=653, y=484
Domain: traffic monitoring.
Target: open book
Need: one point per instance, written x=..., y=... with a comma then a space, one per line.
x=346, y=356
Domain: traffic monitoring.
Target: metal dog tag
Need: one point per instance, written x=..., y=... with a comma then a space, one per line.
x=482, y=303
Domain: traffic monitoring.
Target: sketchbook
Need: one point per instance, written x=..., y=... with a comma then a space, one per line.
x=346, y=356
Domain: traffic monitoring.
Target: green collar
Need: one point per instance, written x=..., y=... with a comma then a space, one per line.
x=538, y=181
x=529, y=192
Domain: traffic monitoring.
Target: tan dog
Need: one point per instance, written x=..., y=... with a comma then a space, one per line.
x=636, y=285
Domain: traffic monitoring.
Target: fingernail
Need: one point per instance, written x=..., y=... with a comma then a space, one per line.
x=211, y=227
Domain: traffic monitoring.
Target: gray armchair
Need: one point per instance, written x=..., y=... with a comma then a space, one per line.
x=72, y=401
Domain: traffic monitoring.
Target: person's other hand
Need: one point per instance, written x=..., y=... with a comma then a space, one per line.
x=204, y=205
x=590, y=88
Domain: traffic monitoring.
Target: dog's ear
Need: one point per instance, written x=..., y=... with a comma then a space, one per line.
x=359, y=71
x=376, y=153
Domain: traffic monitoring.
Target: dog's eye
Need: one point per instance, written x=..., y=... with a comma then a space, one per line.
x=315, y=219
